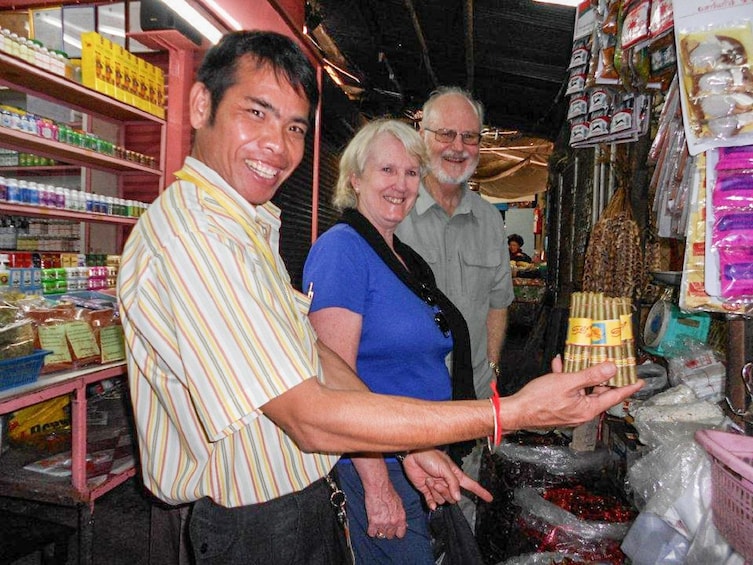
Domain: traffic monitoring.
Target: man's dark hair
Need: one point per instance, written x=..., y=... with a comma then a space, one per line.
x=218, y=69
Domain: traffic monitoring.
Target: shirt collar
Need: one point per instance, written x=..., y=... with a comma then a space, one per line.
x=267, y=212
x=426, y=201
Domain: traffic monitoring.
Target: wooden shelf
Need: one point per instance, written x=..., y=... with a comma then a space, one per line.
x=56, y=384
x=9, y=209
x=42, y=171
x=21, y=141
x=167, y=39
x=33, y=80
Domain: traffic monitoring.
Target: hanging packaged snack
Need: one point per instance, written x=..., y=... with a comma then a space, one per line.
x=623, y=119
x=598, y=124
x=662, y=61
x=580, y=54
x=576, y=84
x=606, y=71
x=578, y=132
x=714, y=48
x=660, y=18
x=599, y=99
x=635, y=25
x=578, y=107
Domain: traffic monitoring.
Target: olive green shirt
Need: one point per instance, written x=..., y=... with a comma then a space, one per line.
x=470, y=260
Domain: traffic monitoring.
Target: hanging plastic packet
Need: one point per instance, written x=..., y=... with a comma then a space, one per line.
x=635, y=26
x=733, y=188
x=661, y=17
x=736, y=270
x=714, y=56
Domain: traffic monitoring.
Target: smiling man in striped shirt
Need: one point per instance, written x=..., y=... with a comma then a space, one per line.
x=238, y=408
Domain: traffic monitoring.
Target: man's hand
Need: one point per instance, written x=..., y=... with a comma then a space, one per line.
x=438, y=479
x=565, y=399
x=385, y=512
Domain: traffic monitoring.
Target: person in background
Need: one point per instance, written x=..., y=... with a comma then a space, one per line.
x=514, y=245
x=239, y=410
x=377, y=306
x=458, y=233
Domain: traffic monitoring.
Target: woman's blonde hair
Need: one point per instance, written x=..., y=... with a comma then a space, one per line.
x=353, y=159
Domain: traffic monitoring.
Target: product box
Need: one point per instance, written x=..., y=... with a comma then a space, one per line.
x=109, y=77
x=117, y=63
x=158, y=105
x=93, y=64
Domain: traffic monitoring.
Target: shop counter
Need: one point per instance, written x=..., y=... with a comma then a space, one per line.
x=74, y=490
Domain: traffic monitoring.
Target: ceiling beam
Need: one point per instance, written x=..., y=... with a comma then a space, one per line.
x=496, y=65
x=422, y=42
x=470, y=64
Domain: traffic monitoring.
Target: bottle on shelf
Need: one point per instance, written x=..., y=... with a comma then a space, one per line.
x=4, y=273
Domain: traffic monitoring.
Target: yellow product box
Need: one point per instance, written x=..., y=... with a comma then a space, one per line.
x=151, y=89
x=108, y=54
x=159, y=92
x=68, y=260
x=133, y=66
x=145, y=78
x=93, y=61
x=120, y=72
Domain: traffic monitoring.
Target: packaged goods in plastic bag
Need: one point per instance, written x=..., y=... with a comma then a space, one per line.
x=545, y=558
x=686, y=356
x=45, y=426
x=673, y=416
x=527, y=459
x=16, y=340
x=555, y=529
x=556, y=460
x=651, y=540
x=672, y=486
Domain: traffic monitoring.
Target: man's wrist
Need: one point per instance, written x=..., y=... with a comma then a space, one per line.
x=496, y=369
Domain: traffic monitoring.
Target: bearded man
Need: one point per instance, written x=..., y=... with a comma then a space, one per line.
x=459, y=234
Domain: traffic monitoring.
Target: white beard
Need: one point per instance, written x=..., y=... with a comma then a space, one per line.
x=446, y=178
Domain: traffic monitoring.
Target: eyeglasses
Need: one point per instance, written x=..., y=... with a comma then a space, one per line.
x=439, y=318
x=449, y=135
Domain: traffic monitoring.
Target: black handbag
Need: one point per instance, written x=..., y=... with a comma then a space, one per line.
x=453, y=541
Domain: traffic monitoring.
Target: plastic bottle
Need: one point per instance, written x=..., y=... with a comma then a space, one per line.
x=4, y=273
x=33, y=193
x=23, y=192
x=14, y=195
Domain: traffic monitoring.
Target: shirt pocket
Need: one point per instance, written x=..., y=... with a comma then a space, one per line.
x=478, y=269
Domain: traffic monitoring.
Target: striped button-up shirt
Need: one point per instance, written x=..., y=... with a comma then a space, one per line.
x=212, y=334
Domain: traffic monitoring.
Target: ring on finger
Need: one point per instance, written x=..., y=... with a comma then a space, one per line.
x=380, y=535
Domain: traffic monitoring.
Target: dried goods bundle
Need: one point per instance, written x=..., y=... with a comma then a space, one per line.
x=614, y=260
x=600, y=328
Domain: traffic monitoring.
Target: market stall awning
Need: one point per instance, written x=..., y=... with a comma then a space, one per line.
x=512, y=166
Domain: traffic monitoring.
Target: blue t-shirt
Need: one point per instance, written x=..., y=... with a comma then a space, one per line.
x=401, y=351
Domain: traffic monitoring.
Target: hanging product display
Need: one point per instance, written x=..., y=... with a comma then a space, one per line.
x=622, y=52
x=614, y=259
x=714, y=45
x=699, y=289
